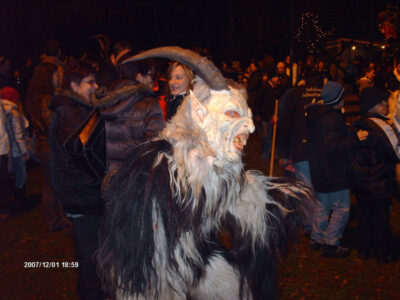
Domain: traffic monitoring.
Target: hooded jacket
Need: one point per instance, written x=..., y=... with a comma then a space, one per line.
x=15, y=142
x=373, y=164
x=329, y=146
x=78, y=190
x=135, y=118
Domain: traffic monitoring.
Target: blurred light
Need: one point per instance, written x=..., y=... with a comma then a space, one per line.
x=383, y=47
x=353, y=48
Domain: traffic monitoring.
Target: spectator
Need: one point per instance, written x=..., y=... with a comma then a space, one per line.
x=293, y=134
x=265, y=107
x=374, y=176
x=98, y=56
x=308, y=67
x=255, y=89
x=292, y=70
x=76, y=186
x=46, y=79
x=228, y=71
x=284, y=80
x=134, y=119
x=319, y=72
x=237, y=69
x=13, y=150
x=367, y=80
x=329, y=143
x=180, y=79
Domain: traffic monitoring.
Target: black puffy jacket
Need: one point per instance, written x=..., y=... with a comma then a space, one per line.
x=330, y=144
x=133, y=120
x=76, y=189
x=293, y=130
x=373, y=164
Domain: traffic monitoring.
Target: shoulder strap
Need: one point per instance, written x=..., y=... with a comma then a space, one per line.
x=390, y=133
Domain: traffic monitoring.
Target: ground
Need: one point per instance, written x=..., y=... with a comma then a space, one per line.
x=304, y=274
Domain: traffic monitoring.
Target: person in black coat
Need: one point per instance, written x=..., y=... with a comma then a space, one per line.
x=329, y=143
x=373, y=175
x=77, y=188
x=293, y=130
x=293, y=134
x=137, y=115
x=46, y=78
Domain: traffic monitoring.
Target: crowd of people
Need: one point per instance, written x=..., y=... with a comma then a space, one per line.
x=80, y=118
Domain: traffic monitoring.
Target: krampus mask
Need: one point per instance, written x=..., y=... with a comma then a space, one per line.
x=183, y=220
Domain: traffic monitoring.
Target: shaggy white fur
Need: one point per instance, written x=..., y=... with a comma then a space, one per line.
x=220, y=282
x=206, y=174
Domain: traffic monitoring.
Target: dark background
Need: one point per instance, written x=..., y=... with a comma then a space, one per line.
x=227, y=28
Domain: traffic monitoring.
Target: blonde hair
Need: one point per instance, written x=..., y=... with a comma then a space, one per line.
x=189, y=72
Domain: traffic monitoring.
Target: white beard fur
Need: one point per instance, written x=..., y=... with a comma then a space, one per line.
x=193, y=167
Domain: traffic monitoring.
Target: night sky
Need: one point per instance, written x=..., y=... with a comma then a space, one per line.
x=229, y=29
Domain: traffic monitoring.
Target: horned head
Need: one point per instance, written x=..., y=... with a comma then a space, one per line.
x=221, y=111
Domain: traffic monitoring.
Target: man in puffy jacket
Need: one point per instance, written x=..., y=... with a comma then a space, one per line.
x=373, y=175
x=136, y=117
x=329, y=144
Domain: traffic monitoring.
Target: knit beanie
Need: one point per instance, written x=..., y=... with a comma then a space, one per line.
x=9, y=93
x=332, y=93
x=370, y=97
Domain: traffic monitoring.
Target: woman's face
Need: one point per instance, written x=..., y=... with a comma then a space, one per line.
x=178, y=81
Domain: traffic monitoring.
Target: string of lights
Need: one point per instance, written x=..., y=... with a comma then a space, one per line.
x=310, y=32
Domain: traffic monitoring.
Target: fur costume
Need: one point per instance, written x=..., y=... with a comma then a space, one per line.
x=183, y=220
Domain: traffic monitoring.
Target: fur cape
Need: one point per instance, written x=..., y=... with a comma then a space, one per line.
x=214, y=235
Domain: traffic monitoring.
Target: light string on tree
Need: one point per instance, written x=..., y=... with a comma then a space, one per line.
x=310, y=32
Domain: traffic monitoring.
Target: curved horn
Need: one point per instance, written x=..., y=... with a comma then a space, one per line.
x=202, y=66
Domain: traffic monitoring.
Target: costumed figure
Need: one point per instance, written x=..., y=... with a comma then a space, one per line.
x=183, y=220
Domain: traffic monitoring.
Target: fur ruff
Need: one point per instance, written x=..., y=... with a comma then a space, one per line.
x=109, y=99
x=120, y=94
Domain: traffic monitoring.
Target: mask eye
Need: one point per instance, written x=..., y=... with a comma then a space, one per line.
x=232, y=114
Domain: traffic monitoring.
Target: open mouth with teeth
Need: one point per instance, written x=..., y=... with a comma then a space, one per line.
x=240, y=141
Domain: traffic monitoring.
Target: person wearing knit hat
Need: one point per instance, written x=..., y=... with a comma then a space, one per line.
x=372, y=96
x=328, y=146
x=373, y=176
x=332, y=93
x=9, y=93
